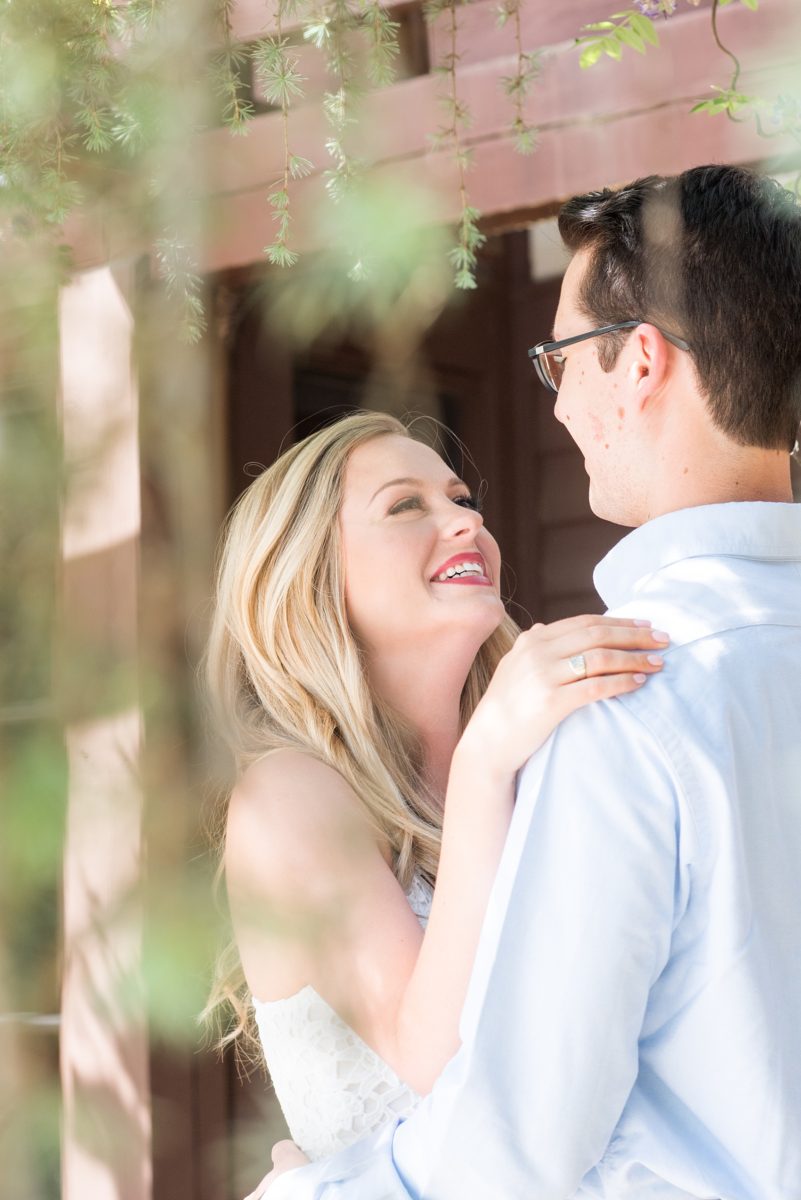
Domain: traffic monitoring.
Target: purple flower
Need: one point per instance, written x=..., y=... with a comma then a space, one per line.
x=656, y=8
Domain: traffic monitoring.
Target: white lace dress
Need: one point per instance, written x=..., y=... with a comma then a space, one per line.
x=332, y=1087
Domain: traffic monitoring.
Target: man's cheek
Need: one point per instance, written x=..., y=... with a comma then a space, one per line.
x=598, y=431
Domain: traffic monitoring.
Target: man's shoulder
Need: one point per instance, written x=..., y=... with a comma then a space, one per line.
x=609, y=745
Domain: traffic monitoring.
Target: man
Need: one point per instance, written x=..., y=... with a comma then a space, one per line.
x=633, y=1025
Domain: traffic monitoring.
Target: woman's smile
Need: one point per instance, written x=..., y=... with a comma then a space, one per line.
x=407, y=520
x=466, y=568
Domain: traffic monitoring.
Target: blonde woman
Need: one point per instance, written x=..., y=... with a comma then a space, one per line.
x=378, y=702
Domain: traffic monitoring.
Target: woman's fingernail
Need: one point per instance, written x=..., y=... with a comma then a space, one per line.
x=655, y=660
x=660, y=636
x=644, y=624
x=639, y=678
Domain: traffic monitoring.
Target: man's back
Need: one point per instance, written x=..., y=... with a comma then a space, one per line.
x=720, y=1046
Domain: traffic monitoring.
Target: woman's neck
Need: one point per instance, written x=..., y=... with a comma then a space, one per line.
x=425, y=691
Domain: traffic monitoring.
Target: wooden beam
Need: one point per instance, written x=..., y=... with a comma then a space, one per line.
x=605, y=125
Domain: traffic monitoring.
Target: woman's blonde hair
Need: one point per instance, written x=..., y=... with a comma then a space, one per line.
x=283, y=669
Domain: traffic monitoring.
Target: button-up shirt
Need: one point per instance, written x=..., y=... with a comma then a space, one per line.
x=632, y=1027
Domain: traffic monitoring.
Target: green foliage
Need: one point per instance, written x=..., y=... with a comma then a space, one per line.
x=299, y=167
x=449, y=136
x=362, y=282
x=727, y=101
x=635, y=30
x=277, y=71
x=464, y=255
x=179, y=271
x=382, y=42
x=623, y=29
x=227, y=69
x=518, y=86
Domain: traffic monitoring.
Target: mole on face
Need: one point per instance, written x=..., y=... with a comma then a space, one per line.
x=621, y=412
x=685, y=471
x=597, y=429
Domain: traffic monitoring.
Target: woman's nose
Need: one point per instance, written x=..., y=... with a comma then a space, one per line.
x=462, y=520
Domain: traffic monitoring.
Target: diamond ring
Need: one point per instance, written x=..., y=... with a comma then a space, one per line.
x=578, y=665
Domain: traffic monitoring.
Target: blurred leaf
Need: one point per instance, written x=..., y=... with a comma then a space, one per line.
x=392, y=231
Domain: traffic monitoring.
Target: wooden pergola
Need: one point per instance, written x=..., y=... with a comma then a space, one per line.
x=597, y=127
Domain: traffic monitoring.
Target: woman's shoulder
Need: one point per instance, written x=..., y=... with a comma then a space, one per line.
x=290, y=814
x=300, y=855
x=291, y=789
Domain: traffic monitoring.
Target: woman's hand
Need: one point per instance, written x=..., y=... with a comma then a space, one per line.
x=285, y=1156
x=535, y=685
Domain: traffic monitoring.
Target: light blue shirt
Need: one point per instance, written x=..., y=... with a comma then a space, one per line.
x=633, y=1023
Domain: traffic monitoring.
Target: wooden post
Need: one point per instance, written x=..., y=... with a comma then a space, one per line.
x=103, y=1055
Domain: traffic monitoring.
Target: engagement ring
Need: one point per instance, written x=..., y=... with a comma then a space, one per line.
x=578, y=665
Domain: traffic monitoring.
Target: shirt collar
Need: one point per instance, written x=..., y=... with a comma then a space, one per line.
x=743, y=529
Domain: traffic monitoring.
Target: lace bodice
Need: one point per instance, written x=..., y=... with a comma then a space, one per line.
x=332, y=1087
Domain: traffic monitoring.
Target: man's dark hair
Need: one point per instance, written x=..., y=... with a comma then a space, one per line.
x=713, y=255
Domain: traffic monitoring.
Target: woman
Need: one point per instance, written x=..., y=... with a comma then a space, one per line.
x=378, y=702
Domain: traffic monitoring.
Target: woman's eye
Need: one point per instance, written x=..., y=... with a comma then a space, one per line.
x=409, y=502
x=469, y=501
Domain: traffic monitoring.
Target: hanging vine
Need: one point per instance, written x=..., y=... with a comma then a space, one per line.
x=276, y=68
x=329, y=33
x=518, y=86
x=227, y=69
x=382, y=43
x=464, y=255
x=99, y=116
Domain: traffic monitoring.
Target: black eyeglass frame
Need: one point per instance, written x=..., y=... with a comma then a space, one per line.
x=547, y=347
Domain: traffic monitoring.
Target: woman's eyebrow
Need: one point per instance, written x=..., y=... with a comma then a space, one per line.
x=452, y=482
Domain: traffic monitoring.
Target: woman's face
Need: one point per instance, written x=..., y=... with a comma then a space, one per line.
x=420, y=568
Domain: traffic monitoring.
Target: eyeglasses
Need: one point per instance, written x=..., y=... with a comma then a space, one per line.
x=549, y=363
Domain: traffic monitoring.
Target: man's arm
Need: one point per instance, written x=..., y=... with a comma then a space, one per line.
x=578, y=930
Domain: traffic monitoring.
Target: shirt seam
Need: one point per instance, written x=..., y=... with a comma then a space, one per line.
x=670, y=763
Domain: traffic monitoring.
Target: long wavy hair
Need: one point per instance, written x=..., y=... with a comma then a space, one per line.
x=283, y=669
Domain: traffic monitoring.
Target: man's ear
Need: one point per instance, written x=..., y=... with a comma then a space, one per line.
x=649, y=362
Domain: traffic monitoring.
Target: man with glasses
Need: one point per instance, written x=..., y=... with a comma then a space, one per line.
x=633, y=1025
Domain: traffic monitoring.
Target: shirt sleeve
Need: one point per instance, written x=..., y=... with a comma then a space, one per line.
x=578, y=930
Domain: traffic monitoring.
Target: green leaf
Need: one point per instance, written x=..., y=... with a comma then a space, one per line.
x=591, y=55
x=645, y=28
x=300, y=167
x=279, y=199
x=630, y=38
x=752, y=4
x=317, y=33
x=465, y=280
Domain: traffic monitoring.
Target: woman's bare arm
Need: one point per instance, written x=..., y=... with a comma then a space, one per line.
x=314, y=899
